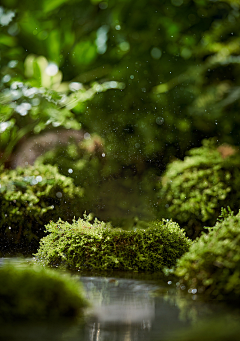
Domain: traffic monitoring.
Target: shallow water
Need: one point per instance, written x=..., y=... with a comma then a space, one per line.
x=125, y=307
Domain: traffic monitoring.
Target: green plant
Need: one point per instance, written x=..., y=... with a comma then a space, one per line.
x=29, y=198
x=193, y=190
x=211, y=267
x=82, y=245
x=181, y=85
x=38, y=294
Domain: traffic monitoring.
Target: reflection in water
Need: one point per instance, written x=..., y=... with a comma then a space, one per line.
x=127, y=310
x=122, y=310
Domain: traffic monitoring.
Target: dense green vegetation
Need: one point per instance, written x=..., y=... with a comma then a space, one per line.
x=90, y=65
x=37, y=294
x=195, y=189
x=29, y=198
x=179, y=85
x=85, y=246
x=212, y=264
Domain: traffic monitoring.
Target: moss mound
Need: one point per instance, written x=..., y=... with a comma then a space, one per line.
x=194, y=190
x=38, y=294
x=29, y=198
x=82, y=245
x=212, y=264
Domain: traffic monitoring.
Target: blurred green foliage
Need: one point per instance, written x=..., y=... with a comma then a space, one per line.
x=84, y=245
x=38, y=294
x=194, y=190
x=180, y=86
x=152, y=79
x=120, y=197
x=211, y=267
x=29, y=198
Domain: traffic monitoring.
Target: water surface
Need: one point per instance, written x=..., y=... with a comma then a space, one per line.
x=124, y=307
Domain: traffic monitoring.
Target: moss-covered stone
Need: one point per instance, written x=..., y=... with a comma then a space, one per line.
x=82, y=245
x=212, y=264
x=29, y=198
x=38, y=294
x=195, y=189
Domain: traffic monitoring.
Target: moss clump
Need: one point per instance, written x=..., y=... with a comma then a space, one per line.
x=38, y=294
x=29, y=198
x=194, y=190
x=212, y=264
x=82, y=245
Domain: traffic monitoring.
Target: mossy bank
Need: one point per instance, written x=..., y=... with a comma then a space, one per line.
x=195, y=189
x=212, y=264
x=38, y=294
x=82, y=245
x=29, y=198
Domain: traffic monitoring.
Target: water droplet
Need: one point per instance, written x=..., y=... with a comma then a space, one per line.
x=12, y=63
x=156, y=53
x=124, y=46
x=23, y=108
x=59, y=194
x=6, y=78
x=75, y=86
x=103, y=5
x=159, y=120
x=4, y=126
x=87, y=136
x=51, y=69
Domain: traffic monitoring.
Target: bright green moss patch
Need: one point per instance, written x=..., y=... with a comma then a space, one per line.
x=29, y=198
x=212, y=264
x=195, y=189
x=38, y=294
x=82, y=245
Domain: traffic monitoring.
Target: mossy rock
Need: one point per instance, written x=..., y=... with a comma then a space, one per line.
x=38, y=294
x=212, y=264
x=195, y=189
x=82, y=245
x=29, y=198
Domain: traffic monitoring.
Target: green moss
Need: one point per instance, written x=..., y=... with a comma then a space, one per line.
x=29, y=198
x=82, y=245
x=38, y=294
x=195, y=189
x=212, y=264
